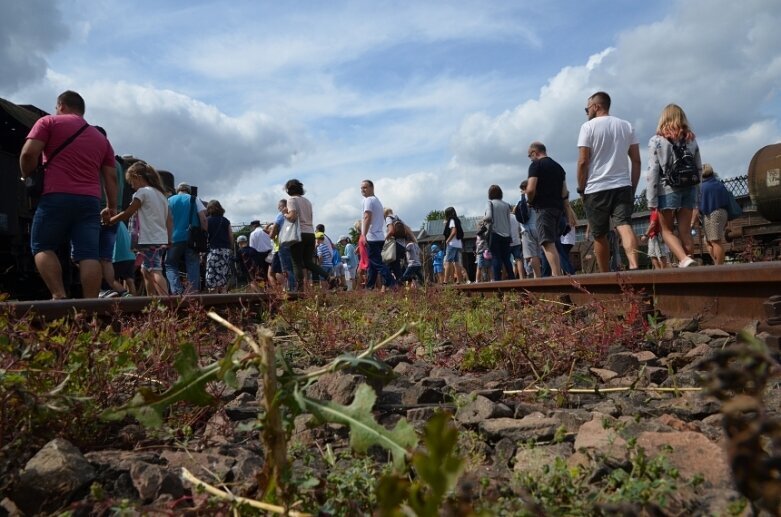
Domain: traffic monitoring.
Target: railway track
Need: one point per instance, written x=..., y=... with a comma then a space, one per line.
x=52, y=309
x=727, y=297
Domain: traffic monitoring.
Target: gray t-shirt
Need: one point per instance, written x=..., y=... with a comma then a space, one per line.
x=501, y=216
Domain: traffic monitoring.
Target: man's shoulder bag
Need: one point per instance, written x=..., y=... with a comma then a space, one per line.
x=197, y=237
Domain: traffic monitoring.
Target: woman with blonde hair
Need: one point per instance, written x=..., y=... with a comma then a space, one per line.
x=155, y=224
x=674, y=174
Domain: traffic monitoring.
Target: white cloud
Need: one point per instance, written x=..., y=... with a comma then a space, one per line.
x=29, y=30
x=719, y=60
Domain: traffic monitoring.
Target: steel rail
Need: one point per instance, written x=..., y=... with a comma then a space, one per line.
x=53, y=309
x=727, y=297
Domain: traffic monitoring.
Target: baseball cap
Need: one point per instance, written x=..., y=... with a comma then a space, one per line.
x=434, y=247
x=344, y=238
x=242, y=238
x=319, y=235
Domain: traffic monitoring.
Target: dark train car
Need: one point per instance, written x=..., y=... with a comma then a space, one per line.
x=18, y=276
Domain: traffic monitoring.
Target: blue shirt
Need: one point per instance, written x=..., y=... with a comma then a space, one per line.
x=183, y=216
x=122, y=249
x=349, y=256
x=713, y=195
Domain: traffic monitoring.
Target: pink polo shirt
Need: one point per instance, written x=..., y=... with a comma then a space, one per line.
x=76, y=169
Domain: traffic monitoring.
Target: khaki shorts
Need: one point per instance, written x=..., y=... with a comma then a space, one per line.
x=616, y=204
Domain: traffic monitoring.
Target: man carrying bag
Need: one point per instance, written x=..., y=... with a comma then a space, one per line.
x=187, y=211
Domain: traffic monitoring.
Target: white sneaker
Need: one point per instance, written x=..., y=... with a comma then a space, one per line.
x=687, y=262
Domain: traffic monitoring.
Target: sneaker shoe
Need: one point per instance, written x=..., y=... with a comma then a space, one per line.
x=687, y=262
x=108, y=293
x=125, y=294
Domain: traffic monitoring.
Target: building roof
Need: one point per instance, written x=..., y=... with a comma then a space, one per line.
x=433, y=230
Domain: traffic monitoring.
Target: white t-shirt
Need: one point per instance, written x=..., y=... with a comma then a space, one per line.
x=455, y=242
x=152, y=216
x=609, y=139
x=260, y=240
x=376, y=231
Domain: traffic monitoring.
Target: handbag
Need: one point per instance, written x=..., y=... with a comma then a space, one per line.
x=733, y=209
x=290, y=233
x=389, y=251
x=34, y=182
x=197, y=237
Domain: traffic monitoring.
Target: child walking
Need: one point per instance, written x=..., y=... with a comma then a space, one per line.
x=154, y=223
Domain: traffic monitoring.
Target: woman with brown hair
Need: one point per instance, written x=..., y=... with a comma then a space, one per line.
x=299, y=209
x=220, y=240
x=674, y=172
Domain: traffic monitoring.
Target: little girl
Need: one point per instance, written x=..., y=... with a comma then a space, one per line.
x=155, y=223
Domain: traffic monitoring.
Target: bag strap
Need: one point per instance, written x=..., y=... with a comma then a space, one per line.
x=65, y=144
x=192, y=210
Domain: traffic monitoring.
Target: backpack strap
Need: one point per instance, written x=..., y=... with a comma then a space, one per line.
x=65, y=144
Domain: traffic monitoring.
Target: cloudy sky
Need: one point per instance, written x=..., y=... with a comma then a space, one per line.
x=432, y=100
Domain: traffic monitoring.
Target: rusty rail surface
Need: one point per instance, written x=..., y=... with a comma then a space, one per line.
x=52, y=309
x=727, y=297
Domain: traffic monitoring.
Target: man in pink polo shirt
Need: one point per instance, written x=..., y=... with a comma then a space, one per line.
x=69, y=209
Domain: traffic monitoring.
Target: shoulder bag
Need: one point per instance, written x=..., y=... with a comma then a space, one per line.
x=290, y=233
x=34, y=182
x=389, y=251
x=197, y=237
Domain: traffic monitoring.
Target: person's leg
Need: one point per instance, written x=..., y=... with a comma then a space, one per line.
x=718, y=253
x=192, y=262
x=287, y=267
x=48, y=265
x=623, y=204
x=173, y=258
x=629, y=241
x=552, y=256
x=507, y=259
x=297, y=257
x=684, y=218
x=667, y=221
x=602, y=253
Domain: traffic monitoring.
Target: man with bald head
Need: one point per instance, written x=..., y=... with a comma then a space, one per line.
x=606, y=146
x=546, y=191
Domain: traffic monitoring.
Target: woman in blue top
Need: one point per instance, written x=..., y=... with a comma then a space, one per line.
x=714, y=200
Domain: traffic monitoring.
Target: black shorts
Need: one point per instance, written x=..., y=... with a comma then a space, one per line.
x=125, y=270
x=616, y=204
x=548, y=225
x=276, y=264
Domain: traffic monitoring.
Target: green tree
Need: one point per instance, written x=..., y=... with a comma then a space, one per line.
x=436, y=215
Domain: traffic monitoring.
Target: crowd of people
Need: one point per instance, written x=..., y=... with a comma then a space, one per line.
x=83, y=190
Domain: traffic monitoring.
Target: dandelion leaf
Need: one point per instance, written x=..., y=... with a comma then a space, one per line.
x=148, y=407
x=364, y=429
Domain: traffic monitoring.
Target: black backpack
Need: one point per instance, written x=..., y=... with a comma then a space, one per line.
x=683, y=172
x=522, y=210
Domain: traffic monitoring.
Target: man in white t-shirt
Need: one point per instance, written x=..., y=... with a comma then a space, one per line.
x=606, y=146
x=373, y=231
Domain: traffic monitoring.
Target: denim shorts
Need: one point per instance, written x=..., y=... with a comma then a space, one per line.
x=452, y=254
x=516, y=252
x=108, y=235
x=152, y=257
x=683, y=198
x=63, y=217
